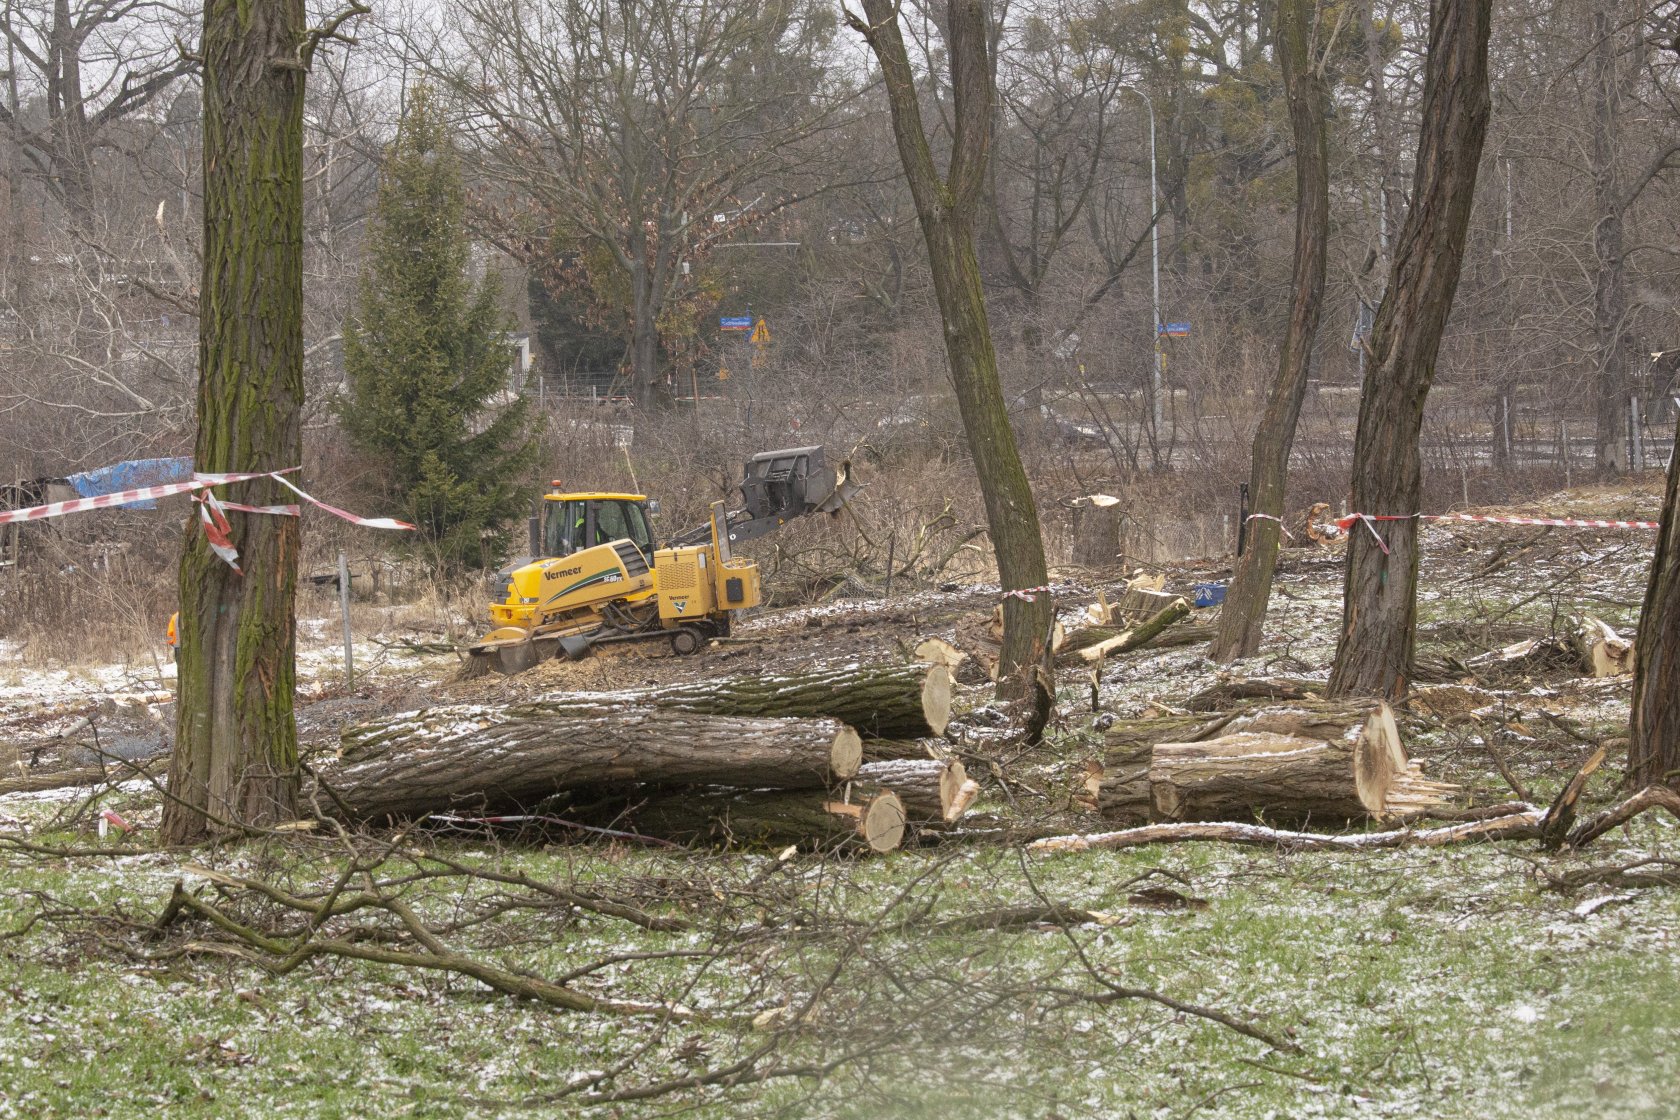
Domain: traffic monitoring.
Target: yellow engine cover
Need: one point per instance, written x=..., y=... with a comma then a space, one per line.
x=555, y=588
x=683, y=579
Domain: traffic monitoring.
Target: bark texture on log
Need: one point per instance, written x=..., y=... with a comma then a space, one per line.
x=1249, y=772
x=1301, y=761
x=1138, y=636
x=934, y=793
x=881, y=702
x=448, y=757
x=875, y=820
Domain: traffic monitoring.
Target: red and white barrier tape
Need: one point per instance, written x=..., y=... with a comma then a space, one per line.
x=212, y=511
x=1026, y=594
x=1346, y=523
x=124, y=497
x=369, y=522
x=1270, y=517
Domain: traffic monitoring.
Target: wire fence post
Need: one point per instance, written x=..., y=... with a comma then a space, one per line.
x=344, y=610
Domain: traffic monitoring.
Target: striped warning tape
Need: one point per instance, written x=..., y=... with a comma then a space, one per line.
x=212, y=511
x=124, y=497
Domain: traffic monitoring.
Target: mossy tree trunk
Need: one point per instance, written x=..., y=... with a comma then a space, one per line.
x=1654, y=746
x=1243, y=618
x=947, y=207
x=1379, y=598
x=235, y=760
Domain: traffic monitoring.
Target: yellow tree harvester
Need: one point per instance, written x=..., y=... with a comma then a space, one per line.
x=596, y=575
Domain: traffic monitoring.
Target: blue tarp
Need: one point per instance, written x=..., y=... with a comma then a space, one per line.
x=131, y=475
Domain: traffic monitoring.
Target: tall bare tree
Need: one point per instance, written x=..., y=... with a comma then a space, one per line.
x=86, y=65
x=1379, y=601
x=1299, y=42
x=641, y=134
x=947, y=207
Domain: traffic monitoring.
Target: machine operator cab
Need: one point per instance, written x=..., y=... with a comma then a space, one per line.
x=577, y=521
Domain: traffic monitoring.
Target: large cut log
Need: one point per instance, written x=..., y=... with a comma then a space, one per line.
x=1312, y=759
x=1275, y=764
x=934, y=793
x=872, y=810
x=881, y=702
x=872, y=819
x=458, y=755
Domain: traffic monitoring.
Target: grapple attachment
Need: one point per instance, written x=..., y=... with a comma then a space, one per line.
x=777, y=486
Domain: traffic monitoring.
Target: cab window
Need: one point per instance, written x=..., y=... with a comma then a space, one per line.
x=565, y=528
x=639, y=529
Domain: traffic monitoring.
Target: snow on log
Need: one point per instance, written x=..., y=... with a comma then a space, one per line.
x=881, y=702
x=934, y=793
x=1093, y=644
x=470, y=755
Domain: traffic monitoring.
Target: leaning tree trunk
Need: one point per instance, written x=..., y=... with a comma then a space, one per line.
x=1243, y=617
x=946, y=209
x=464, y=755
x=1654, y=745
x=235, y=760
x=1612, y=455
x=1379, y=601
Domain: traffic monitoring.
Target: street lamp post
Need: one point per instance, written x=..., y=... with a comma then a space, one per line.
x=1154, y=264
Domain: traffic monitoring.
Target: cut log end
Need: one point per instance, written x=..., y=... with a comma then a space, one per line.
x=1378, y=760
x=957, y=792
x=880, y=819
x=846, y=755
x=936, y=698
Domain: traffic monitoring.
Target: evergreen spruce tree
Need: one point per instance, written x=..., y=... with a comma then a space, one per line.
x=425, y=352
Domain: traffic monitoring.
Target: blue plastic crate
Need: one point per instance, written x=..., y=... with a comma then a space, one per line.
x=1208, y=595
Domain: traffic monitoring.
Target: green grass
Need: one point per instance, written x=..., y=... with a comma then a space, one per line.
x=1417, y=983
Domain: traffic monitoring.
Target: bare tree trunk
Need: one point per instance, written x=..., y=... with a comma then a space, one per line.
x=235, y=760
x=1379, y=601
x=947, y=208
x=1654, y=745
x=1610, y=439
x=1243, y=618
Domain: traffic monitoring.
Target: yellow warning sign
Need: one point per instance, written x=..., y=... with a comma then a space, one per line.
x=761, y=333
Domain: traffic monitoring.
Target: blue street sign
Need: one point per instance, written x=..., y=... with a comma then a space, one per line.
x=735, y=323
x=1177, y=330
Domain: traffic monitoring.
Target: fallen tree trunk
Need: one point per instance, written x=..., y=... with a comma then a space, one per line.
x=873, y=819
x=880, y=702
x=1603, y=652
x=1515, y=826
x=1343, y=760
x=467, y=755
x=116, y=771
x=1099, y=643
x=1218, y=697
